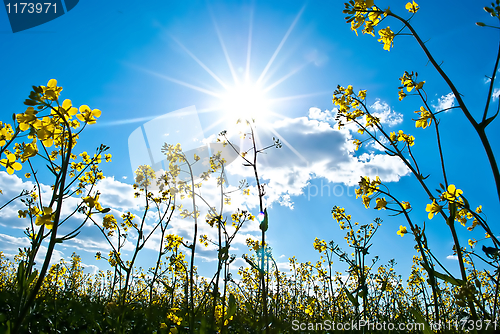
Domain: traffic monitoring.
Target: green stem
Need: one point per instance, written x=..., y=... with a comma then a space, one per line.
x=479, y=127
x=50, y=249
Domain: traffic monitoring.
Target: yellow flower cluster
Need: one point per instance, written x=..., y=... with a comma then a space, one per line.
x=401, y=136
x=319, y=245
x=409, y=81
x=173, y=241
x=425, y=118
x=347, y=100
x=364, y=12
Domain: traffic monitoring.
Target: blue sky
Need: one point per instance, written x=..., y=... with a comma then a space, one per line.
x=138, y=61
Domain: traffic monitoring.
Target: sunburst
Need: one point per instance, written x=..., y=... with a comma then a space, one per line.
x=244, y=98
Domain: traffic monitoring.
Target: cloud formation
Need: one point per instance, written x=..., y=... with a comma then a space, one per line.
x=445, y=102
x=313, y=148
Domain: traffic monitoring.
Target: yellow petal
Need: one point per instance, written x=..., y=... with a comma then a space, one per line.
x=84, y=108
x=67, y=104
x=52, y=83
x=96, y=112
x=24, y=126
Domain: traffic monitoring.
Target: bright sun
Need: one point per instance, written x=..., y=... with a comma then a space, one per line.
x=245, y=101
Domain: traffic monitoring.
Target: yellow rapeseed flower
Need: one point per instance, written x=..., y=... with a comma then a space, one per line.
x=412, y=7
x=381, y=203
x=425, y=118
x=401, y=94
x=87, y=115
x=10, y=163
x=452, y=193
x=51, y=91
x=47, y=218
x=433, y=209
x=387, y=37
x=402, y=230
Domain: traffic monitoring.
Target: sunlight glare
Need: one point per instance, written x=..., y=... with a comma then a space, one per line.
x=245, y=101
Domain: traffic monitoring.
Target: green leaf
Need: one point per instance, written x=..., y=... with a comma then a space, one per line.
x=420, y=319
x=21, y=283
x=249, y=308
x=5, y=329
x=167, y=287
x=353, y=300
x=250, y=262
x=449, y=279
x=30, y=103
x=232, y=306
x=32, y=276
x=265, y=224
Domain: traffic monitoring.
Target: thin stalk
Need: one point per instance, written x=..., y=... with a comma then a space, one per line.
x=479, y=127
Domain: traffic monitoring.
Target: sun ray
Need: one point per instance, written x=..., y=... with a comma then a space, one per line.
x=125, y=121
x=294, y=97
x=205, y=110
x=209, y=71
x=277, y=82
x=288, y=145
x=249, y=45
x=179, y=82
x=148, y=118
x=213, y=124
x=264, y=72
x=223, y=46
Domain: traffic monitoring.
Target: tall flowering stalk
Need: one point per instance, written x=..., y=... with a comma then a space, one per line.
x=450, y=202
x=48, y=123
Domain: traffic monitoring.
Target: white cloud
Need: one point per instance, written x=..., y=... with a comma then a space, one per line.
x=10, y=246
x=496, y=94
x=325, y=116
x=92, y=269
x=312, y=149
x=385, y=113
x=118, y=195
x=315, y=149
x=452, y=257
x=445, y=102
